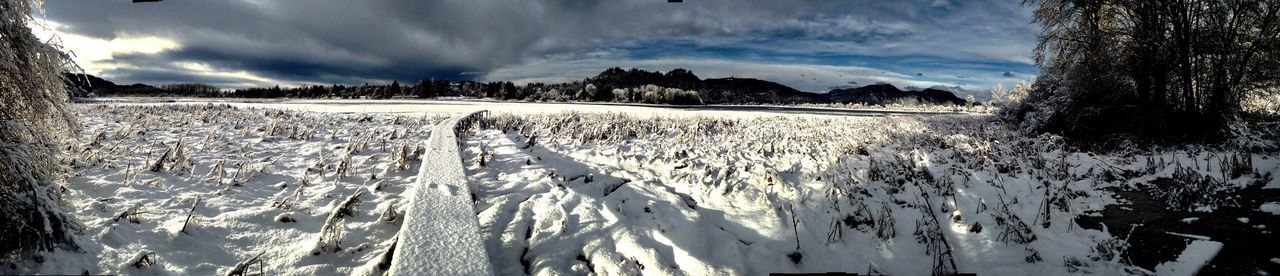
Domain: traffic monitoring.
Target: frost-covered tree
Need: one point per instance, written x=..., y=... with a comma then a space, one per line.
x=424, y=89
x=998, y=94
x=651, y=94
x=1264, y=103
x=34, y=125
x=660, y=95
x=588, y=93
x=1019, y=91
x=1155, y=68
x=621, y=95
x=391, y=91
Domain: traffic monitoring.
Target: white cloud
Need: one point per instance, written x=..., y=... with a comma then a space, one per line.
x=349, y=42
x=95, y=54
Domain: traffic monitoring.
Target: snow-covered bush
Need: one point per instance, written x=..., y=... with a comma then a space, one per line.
x=1265, y=103
x=654, y=94
x=34, y=124
x=1002, y=97
x=998, y=94
x=1019, y=92
x=651, y=93
x=1189, y=190
x=589, y=93
x=621, y=95
x=1030, y=104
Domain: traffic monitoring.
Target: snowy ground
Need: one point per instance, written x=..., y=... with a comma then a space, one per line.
x=266, y=181
x=575, y=189
x=617, y=194
x=459, y=106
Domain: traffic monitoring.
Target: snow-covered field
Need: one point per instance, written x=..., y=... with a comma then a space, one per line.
x=262, y=182
x=320, y=189
x=460, y=106
x=617, y=194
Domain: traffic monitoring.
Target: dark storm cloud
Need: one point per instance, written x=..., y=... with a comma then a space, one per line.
x=354, y=41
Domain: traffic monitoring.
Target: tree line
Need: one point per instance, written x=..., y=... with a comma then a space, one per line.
x=1165, y=69
x=615, y=89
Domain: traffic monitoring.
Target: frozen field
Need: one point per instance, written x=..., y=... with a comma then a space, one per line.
x=624, y=190
x=518, y=108
x=616, y=194
x=308, y=193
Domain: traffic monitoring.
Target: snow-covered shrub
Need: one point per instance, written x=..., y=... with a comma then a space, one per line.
x=589, y=93
x=1264, y=103
x=1003, y=98
x=621, y=95
x=541, y=95
x=1028, y=106
x=330, y=238
x=998, y=94
x=651, y=93
x=34, y=124
x=665, y=95
x=1188, y=190
x=1019, y=92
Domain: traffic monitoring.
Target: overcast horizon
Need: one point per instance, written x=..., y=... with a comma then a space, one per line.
x=811, y=46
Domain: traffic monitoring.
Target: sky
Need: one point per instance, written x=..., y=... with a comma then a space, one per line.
x=811, y=45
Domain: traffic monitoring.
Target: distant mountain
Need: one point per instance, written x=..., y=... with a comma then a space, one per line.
x=618, y=78
x=711, y=91
x=746, y=90
x=937, y=96
x=138, y=89
x=871, y=94
x=85, y=84
x=888, y=94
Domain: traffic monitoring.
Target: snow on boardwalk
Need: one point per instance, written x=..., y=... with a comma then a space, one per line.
x=440, y=235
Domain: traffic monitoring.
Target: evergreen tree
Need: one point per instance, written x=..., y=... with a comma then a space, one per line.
x=423, y=89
